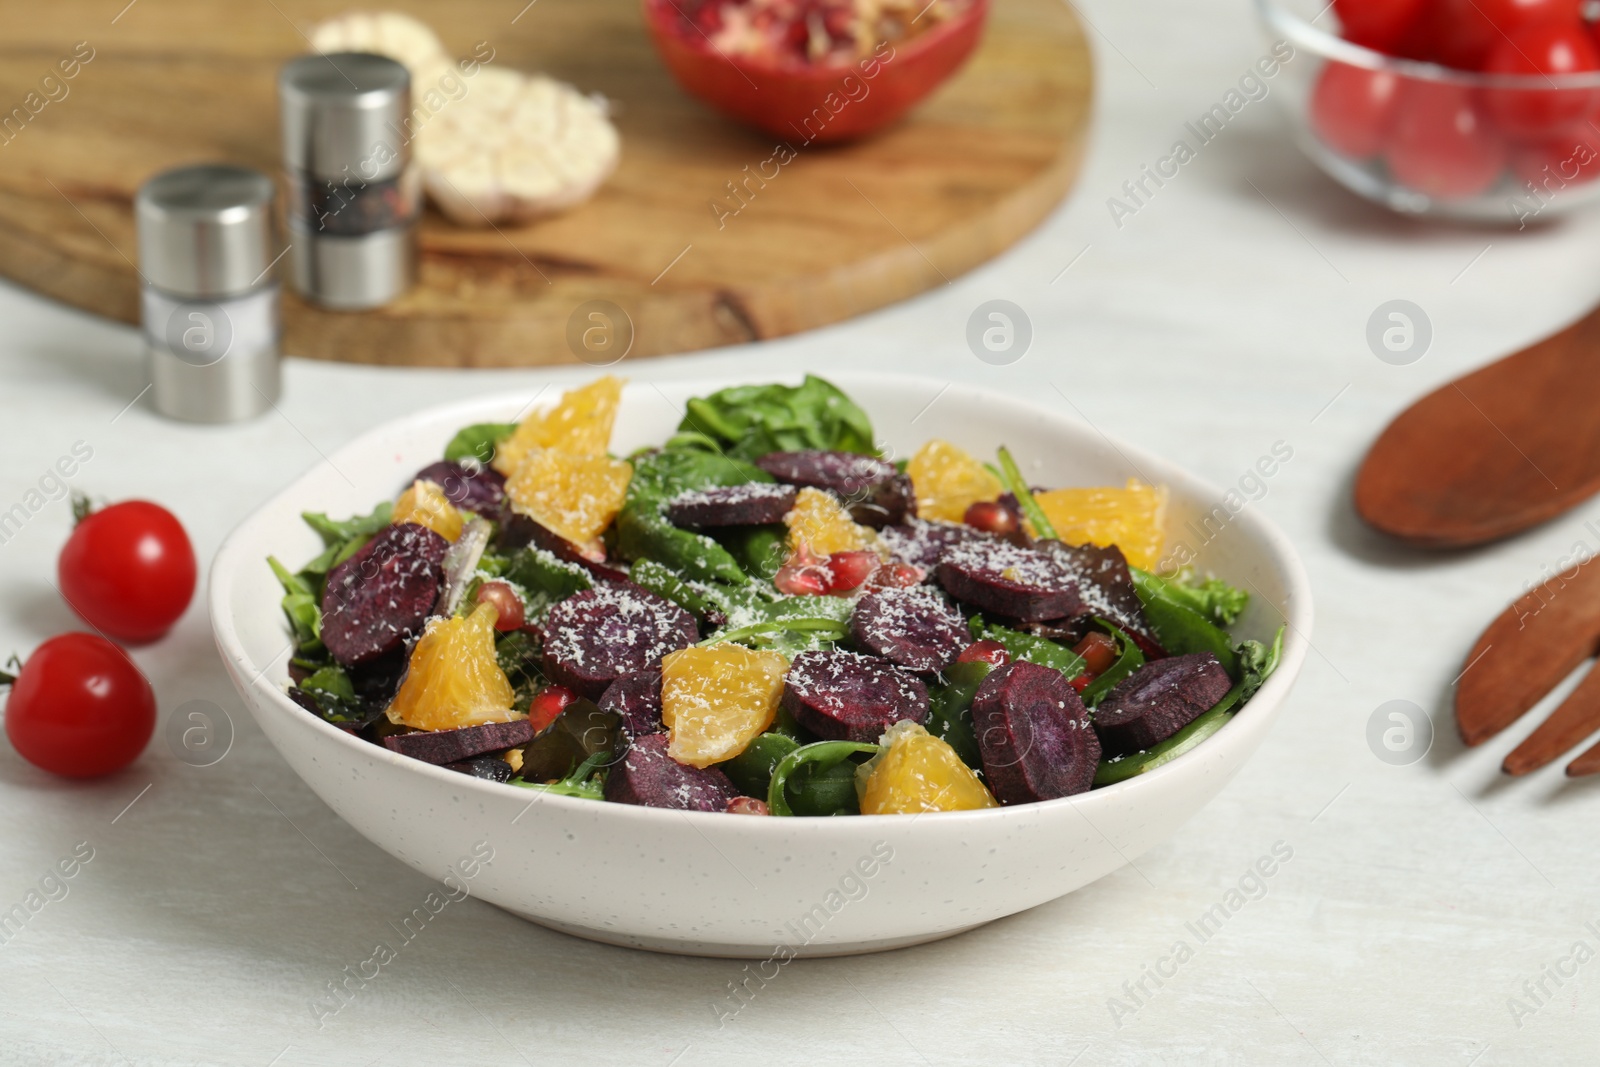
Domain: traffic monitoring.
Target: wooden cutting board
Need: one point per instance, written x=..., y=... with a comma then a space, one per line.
x=839, y=232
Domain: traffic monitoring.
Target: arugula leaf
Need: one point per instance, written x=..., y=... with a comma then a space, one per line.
x=1178, y=627
x=478, y=441
x=1213, y=598
x=586, y=780
x=644, y=533
x=747, y=421
x=817, y=779
x=302, y=606
x=337, y=533
x=1256, y=664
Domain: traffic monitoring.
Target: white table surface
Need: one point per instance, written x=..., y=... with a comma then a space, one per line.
x=1227, y=315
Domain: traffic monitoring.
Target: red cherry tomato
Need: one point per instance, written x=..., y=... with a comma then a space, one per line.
x=128, y=570
x=547, y=704
x=1352, y=109
x=992, y=517
x=1462, y=33
x=1439, y=145
x=786, y=93
x=1550, y=48
x=511, y=613
x=991, y=652
x=1551, y=166
x=1378, y=24
x=1099, y=652
x=80, y=708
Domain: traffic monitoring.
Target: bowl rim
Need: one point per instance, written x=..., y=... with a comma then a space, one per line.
x=1276, y=16
x=657, y=16
x=1266, y=702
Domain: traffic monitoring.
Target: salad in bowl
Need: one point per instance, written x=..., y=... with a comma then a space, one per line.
x=762, y=614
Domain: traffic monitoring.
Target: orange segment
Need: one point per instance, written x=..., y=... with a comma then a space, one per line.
x=821, y=524
x=579, y=424
x=947, y=481
x=455, y=679
x=570, y=495
x=717, y=700
x=425, y=504
x=1134, y=519
x=919, y=772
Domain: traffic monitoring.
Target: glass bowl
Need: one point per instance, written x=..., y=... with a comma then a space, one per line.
x=1424, y=139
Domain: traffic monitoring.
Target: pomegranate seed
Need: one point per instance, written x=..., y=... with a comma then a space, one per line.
x=847, y=570
x=800, y=579
x=991, y=516
x=1082, y=681
x=747, y=806
x=1099, y=652
x=547, y=704
x=896, y=575
x=506, y=602
x=990, y=652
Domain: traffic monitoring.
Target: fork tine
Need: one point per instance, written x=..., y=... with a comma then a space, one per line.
x=1527, y=651
x=1576, y=718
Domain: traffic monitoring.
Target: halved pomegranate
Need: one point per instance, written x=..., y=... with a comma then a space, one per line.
x=812, y=71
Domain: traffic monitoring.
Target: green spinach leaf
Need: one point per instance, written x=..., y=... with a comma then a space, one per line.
x=747, y=421
x=478, y=441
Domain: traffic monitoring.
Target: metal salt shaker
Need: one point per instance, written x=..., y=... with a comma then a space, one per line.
x=354, y=195
x=209, y=305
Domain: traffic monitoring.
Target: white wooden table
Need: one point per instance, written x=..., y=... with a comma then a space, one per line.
x=1226, y=315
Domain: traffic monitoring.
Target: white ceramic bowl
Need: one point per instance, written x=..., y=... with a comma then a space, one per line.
x=722, y=885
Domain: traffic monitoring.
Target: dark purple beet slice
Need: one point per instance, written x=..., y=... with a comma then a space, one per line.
x=380, y=597
x=636, y=699
x=1158, y=700
x=845, y=473
x=482, y=491
x=999, y=577
x=649, y=777
x=453, y=746
x=490, y=768
x=595, y=637
x=912, y=628
x=750, y=504
x=519, y=531
x=922, y=542
x=1033, y=734
x=845, y=696
x=1105, y=588
x=885, y=504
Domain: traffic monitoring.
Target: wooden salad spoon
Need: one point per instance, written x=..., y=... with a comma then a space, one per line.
x=1525, y=653
x=1495, y=452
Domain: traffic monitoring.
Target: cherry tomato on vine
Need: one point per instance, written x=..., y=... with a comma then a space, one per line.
x=1352, y=109
x=79, y=707
x=1440, y=145
x=128, y=569
x=1548, y=48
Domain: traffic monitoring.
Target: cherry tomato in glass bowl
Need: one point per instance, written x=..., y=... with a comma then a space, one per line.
x=1546, y=110
x=1379, y=24
x=79, y=707
x=1440, y=146
x=128, y=569
x=774, y=66
x=1462, y=33
x=1559, y=162
x=1352, y=109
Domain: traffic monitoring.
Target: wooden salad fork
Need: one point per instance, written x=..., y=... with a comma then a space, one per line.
x=1522, y=656
x=1490, y=454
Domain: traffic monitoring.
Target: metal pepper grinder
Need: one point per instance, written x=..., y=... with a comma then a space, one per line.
x=353, y=194
x=209, y=304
